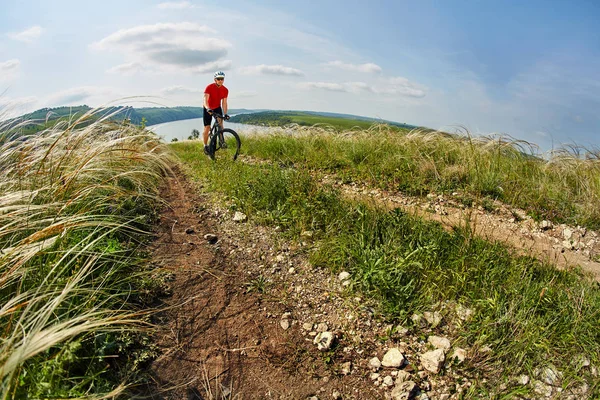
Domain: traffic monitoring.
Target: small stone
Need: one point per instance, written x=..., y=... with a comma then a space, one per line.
x=343, y=275
x=292, y=270
x=189, y=231
x=433, y=318
x=324, y=340
x=240, y=217
x=567, y=234
x=336, y=395
x=346, y=368
x=280, y=258
x=545, y=225
x=211, y=238
x=523, y=380
x=400, y=330
x=388, y=381
x=374, y=364
x=542, y=389
x=459, y=355
x=402, y=376
x=432, y=361
x=405, y=391
x=550, y=376
x=393, y=358
x=463, y=312
x=307, y=326
x=374, y=376
x=322, y=327
x=439, y=342
x=285, y=324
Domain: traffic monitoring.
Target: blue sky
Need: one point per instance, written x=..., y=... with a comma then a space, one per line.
x=529, y=69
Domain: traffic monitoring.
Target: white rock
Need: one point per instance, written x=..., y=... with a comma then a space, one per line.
x=433, y=318
x=439, y=342
x=523, y=380
x=545, y=225
x=374, y=364
x=542, y=389
x=567, y=234
x=388, y=381
x=393, y=358
x=344, y=275
x=346, y=368
x=550, y=376
x=459, y=355
x=432, y=360
x=322, y=327
x=336, y=395
x=284, y=323
x=307, y=326
x=324, y=340
x=463, y=312
x=402, y=376
x=240, y=217
x=405, y=391
x=374, y=376
x=280, y=258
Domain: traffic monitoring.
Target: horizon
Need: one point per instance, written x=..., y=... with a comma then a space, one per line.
x=529, y=71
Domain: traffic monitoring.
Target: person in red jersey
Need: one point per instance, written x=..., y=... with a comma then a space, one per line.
x=215, y=100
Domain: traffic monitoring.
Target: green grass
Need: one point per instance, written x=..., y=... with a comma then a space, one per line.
x=76, y=203
x=528, y=312
x=564, y=188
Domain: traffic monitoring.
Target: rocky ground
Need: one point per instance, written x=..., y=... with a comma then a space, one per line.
x=249, y=318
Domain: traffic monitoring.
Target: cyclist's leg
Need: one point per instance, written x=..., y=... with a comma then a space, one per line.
x=207, y=120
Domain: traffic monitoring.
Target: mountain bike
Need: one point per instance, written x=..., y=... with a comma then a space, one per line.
x=223, y=143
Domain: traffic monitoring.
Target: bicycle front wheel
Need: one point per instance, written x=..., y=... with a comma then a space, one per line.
x=226, y=144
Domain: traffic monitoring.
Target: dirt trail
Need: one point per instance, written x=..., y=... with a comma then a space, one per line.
x=562, y=245
x=219, y=336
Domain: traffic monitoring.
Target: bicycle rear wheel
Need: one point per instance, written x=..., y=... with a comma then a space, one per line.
x=225, y=145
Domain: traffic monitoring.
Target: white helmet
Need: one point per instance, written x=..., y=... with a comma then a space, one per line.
x=219, y=74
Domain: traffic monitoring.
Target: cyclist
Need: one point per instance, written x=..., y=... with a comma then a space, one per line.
x=215, y=100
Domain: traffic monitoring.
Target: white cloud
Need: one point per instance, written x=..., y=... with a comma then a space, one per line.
x=28, y=35
x=397, y=86
x=368, y=67
x=178, y=46
x=175, y=5
x=179, y=89
x=79, y=95
x=333, y=87
x=127, y=68
x=271, y=70
x=212, y=66
x=9, y=69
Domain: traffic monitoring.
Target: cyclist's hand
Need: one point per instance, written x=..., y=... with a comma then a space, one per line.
x=227, y=116
x=210, y=111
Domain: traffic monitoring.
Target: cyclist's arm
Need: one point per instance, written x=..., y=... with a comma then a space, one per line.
x=206, y=95
x=224, y=106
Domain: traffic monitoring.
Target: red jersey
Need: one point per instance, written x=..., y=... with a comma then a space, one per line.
x=215, y=95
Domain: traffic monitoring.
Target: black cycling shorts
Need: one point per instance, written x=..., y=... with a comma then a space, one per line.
x=208, y=118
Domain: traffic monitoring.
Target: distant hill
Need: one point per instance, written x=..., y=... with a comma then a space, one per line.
x=47, y=117
x=308, y=118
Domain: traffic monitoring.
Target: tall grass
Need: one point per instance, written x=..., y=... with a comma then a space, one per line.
x=563, y=186
x=76, y=201
x=526, y=311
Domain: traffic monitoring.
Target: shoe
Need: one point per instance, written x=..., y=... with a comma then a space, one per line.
x=206, y=151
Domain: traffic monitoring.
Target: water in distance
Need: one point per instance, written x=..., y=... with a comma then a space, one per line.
x=182, y=129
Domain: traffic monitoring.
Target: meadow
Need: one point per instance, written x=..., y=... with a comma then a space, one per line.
x=528, y=313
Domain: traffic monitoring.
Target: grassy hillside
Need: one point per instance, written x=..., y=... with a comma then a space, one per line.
x=526, y=314
x=76, y=203
x=336, y=121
